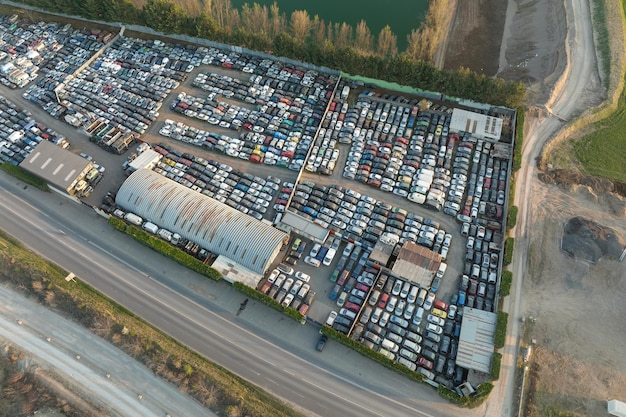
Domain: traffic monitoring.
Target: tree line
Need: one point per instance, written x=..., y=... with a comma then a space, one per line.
x=310, y=39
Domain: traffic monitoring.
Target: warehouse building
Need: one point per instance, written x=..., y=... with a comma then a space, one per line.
x=61, y=169
x=211, y=224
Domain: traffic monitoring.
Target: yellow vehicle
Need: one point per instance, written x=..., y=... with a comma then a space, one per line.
x=91, y=174
x=439, y=313
x=80, y=186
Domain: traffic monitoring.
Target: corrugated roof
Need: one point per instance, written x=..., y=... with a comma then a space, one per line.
x=476, y=340
x=56, y=165
x=417, y=264
x=215, y=226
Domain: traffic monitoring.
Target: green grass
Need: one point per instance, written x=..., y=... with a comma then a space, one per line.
x=602, y=152
x=25, y=176
x=602, y=39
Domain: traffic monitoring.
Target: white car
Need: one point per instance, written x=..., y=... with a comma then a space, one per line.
x=312, y=261
x=302, y=276
x=436, y=320
x=315, y=250
x=331, y=318
x=428, y=303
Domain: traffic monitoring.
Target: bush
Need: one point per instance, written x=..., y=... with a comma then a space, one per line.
x=500, y=335
x=508, y=250
x=511, y=219
x=25, y=176
x=369, y=353
x=481, y=394
x=166, y=249
x=269, y=301
x=496, y=362
x=505, y=283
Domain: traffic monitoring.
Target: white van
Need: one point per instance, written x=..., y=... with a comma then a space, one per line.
x=330, y=255
x=347, y=313
x=389, y=345
x=151, y=227
x=413, y=294
x=376, y=315
x=442, y=269
x=412, y=346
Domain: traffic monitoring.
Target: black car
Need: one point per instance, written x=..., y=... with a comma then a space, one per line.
x=321, y=343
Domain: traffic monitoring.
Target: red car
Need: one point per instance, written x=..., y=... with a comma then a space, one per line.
x=425, y=363
x=440, y=305
x=362, y=287
x=382, y=302
x=352, y=307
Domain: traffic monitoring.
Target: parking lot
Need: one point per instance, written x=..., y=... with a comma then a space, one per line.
x=240, y=129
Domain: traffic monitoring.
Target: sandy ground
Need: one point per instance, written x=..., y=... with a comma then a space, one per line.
x=74, y=364
x=578, y=307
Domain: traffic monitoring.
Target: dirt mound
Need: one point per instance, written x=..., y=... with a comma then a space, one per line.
x=586, y=240
x=568, y=177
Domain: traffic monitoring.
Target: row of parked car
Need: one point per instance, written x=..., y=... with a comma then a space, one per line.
x=362, y=218
x=43, y=48
x=288, y=287
x=399, y=320
x=242, y=191
x=20, y=133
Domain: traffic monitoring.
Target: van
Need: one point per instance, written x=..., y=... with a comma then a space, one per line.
x=330, y=255
x=442, y=270
x=151, y=227
x=133, y=218
x=165, y=234
x=412, y=346
x=365, y=317
x=422, y=296
x=465, y=229
x=413, y=294
x=389, y=345
x=347, y=313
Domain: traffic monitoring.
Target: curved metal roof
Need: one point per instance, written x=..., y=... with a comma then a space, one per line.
x=213, y=225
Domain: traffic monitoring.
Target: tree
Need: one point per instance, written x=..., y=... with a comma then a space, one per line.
x=343, y=35
x=300, y=25
x=364, y=41
x=255, y=19
x=387, y=43
x=277, y=19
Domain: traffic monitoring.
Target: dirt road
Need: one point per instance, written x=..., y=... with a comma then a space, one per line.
x=75, y=363
x=562, y=78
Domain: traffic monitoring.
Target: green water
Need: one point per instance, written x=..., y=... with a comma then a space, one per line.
x=401, y=15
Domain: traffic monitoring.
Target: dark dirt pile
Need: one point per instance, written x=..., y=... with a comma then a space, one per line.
x=586, y=240
x=569, y=177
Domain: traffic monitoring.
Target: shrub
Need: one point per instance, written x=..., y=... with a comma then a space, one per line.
x=500, y=335
x=482, y=392
x=496, y=361
x=269, y=301
x=511, y=219
x=25, y=176
x=508, y=250
x=369, y=353
x=505, y=283
x=166, y=249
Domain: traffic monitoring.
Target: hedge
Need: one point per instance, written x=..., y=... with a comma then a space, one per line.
x=25, y=176
x=511, y=219
x=505, y=283
x=369, y=353
x=165, y=249
x=496, y=362
x=473, y=401
x=500, y=335
x=269, y=301
x=509, y=243
x=519, y=139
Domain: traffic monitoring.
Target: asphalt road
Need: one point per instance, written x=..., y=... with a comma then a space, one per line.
x=260, y=345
